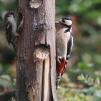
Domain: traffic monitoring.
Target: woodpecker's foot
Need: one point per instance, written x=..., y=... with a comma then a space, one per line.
x=59, y=59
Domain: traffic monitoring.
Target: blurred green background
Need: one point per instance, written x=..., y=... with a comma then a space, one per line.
x=82, y=79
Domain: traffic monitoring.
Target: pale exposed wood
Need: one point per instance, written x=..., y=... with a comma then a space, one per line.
x=46, y=83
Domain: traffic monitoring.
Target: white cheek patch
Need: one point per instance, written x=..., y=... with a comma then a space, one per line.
x=68, y=22
x=11, y=18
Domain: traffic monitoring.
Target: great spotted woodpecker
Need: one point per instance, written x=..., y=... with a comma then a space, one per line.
x=10, y=28
x=64, y=44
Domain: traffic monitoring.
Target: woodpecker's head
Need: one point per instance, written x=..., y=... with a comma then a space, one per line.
x=67, y=21
x=9, y=16
x=10, y=20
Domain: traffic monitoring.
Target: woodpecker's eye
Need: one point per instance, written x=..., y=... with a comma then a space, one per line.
x=63, y=20
x=9, y=15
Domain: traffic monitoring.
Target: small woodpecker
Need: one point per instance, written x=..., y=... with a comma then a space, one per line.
x=10, y=27
x=64, y=44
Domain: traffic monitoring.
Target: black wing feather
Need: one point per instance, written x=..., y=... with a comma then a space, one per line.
x=8, y=32
x=69, y=47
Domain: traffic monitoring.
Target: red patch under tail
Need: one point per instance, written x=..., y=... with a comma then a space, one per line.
x=60, y=66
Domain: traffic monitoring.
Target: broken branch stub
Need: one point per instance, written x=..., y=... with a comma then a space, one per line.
x=35, y=3
x=41, y=52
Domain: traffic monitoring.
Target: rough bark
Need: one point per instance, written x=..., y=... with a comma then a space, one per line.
x=36, y=66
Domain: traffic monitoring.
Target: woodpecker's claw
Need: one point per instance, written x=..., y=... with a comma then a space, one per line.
x=59, y=59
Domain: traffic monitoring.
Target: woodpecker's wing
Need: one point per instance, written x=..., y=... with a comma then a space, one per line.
x=69, y=47
x=8, y=28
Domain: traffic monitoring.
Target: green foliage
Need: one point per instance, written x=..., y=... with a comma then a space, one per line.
x=87, y=13
x=83, y=82
x=73, y=94
x=6, y=5
x=5, y=81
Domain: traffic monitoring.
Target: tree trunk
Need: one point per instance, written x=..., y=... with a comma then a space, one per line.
x=36, y=64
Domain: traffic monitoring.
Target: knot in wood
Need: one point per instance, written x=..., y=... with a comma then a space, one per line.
x=38, y=27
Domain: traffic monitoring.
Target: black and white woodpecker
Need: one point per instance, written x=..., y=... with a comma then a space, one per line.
x=10, y=28
x=64, y=43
